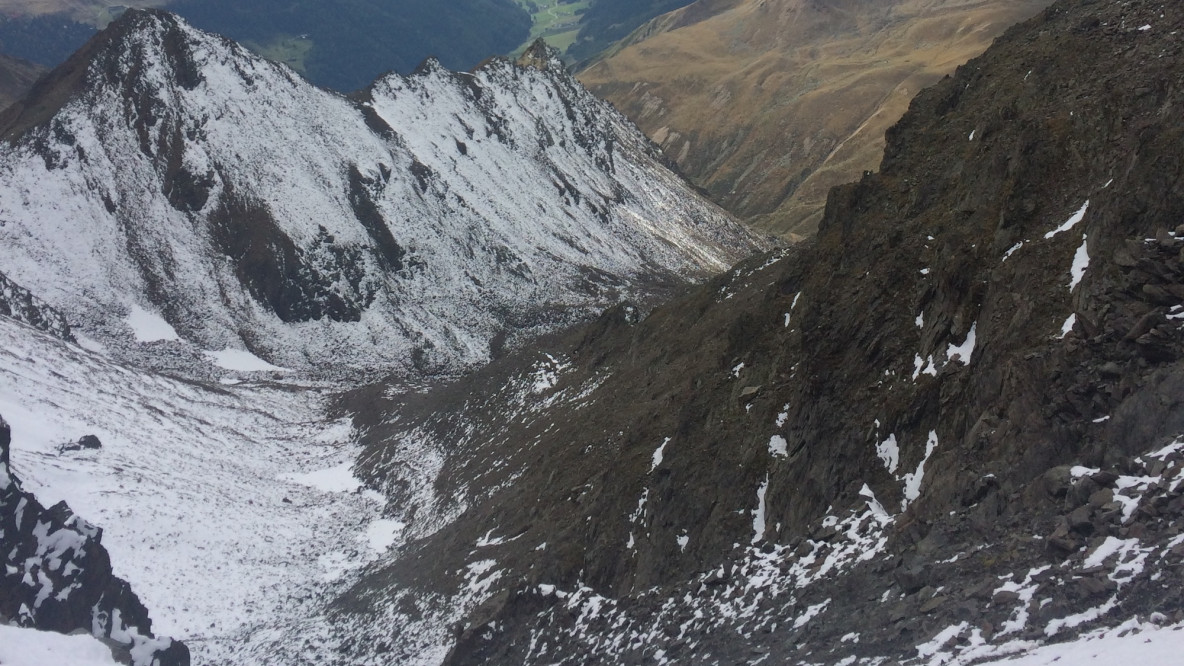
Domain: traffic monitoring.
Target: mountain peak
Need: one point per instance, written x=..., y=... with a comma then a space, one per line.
x=353, y=228
x=107, y=58
x=541, y=56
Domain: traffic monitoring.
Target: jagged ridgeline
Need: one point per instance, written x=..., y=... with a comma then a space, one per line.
x=948, y=427
x=167, y=175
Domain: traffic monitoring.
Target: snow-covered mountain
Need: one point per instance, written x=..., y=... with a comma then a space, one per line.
x=166, y=186
x=948, y=430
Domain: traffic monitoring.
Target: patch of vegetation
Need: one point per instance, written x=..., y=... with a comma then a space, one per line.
x=556, y=21
x=292, y=50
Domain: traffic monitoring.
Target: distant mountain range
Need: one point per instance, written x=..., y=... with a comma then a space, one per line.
x=344, y=44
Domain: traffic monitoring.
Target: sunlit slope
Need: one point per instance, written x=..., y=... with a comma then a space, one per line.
x=769, y=103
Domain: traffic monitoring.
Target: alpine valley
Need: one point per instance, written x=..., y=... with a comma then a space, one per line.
x=456, y=370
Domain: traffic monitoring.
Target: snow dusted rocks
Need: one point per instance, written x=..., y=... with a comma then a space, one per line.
x=17, y=303
x=57, y=576
x=719, y=482
x=412, y=229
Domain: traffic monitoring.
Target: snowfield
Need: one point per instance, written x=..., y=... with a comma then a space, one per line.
x=228, y=509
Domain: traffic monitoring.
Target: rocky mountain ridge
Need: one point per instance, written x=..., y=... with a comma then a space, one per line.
x=946, y=430
x=169, y=176
x=19, y=304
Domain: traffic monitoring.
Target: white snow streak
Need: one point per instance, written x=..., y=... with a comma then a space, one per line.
x=1080, y=264
x=1071, y=222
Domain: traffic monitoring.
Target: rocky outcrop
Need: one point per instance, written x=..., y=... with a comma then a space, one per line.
x=950, y=425
x=17, y=303
x=57, y=576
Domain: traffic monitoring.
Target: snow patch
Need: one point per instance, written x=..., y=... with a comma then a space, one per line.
x=1071, y=222
x=337, y=479
x=889, y=453
x=658, y=455
x=912, y=480
x=962, y=353
x=30, y=647
x=383, y=533
x=810, y=613
x=924, y=367
x=1080, y=264
x=148, y=326
x=1068, y=325
x=758, y=515
x=242, y=361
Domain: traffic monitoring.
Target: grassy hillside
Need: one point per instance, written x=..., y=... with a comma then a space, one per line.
x=556, y=21
x=769, y=103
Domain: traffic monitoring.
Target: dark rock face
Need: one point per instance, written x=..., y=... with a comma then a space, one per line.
x=57, y=576
x=869, y=429
x=84, y=443
x=18, y=303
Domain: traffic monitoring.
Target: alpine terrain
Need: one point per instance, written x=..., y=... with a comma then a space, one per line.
x=199, y=247
x=767, y=104
x=947, y=429
x=167, y=186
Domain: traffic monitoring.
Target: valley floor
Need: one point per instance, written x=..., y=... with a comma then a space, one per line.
x=231, y=510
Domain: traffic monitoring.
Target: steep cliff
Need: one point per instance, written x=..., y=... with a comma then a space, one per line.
x=57, y=576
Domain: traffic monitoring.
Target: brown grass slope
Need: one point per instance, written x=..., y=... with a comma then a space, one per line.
x=16, y=77
x=767, y=104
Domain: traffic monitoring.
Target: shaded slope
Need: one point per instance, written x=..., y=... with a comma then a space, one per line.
x=769, y=104
x=16, y=77
x=873, y=434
